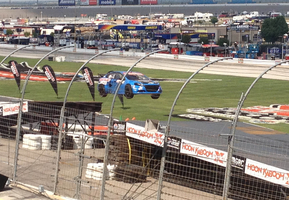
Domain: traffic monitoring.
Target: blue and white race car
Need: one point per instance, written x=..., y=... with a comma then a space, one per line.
x=133, y=84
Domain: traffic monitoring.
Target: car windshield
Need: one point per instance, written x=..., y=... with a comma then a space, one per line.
x=136, y=77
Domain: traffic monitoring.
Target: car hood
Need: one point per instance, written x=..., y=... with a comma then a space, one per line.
x=148, y=82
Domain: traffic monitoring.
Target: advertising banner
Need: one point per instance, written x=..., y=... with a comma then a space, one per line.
x=16, y=73
x=129, y=2
x=51, y=77
x=238, y=162
x=92, y=2
x=267, y=172
x=106, y=2
x=13, y=108
x=66, y=2
x=130, y=27
x=88, y=76
x=148, y=2
x=174, y=142
x=119, y=127
x=205, y=153
x=138, y=132
x=84, y=2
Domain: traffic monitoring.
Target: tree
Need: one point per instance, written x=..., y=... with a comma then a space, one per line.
x=186, y=39
x=221, y=42
x=9, y=32
x=203, y=40
x=214, y=20
x=26, y=34
x=272, y=29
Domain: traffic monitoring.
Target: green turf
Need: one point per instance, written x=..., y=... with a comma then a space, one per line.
x=204, y=91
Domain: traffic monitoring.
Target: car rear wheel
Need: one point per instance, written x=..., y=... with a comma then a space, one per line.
x=155, y=96
x=128, y=92
x=101, y=91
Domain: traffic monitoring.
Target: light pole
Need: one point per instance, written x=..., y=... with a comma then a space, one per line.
x=225, y=45
x=211, y=52
x=283, y=42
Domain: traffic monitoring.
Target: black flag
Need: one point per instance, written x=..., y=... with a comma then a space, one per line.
x=51, y=77
x=15, y=72
x=87, y=73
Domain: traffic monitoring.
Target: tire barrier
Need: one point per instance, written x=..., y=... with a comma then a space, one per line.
x=78, y=139
x=130, y=173
x=46, y=142
x=36, y=142
x=32, y=142
x=118, y=150
x=95, y=171
x=273, y=114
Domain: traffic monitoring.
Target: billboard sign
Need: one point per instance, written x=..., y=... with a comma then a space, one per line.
x=119, y=127
x=92, y=2
x=148, y=2
x=129, y=2
x=205, y=153
x=84, y=2
x=12, y=108
x=267, y=172
x=106, y=2
x=66, y=2
x=139, y=132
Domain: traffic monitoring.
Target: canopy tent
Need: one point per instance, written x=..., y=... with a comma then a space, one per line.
x=209, y=45
x=130, y=27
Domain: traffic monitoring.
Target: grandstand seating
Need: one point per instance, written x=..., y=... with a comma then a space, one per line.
x=203, y=2
x=242, y=1
x=237, y=1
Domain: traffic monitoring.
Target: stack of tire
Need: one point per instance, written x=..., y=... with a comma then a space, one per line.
x=95, y=171
x=118, y=150
x=67, y=142
x=77, y=141
x=31, y=141
x=88, y=143
x=36, y=142
x=122, y=152
x=129, y=173
x=46, y=142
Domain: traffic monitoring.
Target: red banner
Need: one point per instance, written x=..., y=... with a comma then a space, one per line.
x=92, y=2
x=148, y=2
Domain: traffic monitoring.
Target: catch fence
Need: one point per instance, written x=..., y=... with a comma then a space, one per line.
x=194, y=166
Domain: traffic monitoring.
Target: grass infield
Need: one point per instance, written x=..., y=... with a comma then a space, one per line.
x=203, y=91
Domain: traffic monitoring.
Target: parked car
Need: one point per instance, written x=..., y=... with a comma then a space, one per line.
x=133, y=84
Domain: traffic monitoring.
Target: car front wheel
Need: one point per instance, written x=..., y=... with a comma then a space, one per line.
x=101, y=91
x=128, y=92
x=155, y=96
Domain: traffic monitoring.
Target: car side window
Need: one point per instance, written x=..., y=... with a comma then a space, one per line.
x=111, y=76
x=118, y=76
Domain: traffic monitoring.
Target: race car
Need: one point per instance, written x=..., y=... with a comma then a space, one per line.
x=133, y=84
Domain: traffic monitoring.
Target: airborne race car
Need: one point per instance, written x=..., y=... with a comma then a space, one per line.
x=133, y=84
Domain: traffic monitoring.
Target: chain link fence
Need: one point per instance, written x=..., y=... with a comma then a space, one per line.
x=194, y=166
